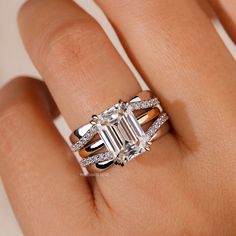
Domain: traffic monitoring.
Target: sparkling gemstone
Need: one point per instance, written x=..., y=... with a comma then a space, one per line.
x=121, y=133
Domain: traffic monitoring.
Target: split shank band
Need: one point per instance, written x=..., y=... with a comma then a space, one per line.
x=120, y=133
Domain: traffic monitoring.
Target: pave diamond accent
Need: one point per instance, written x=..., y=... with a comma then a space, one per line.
x=84, y=139
x=144, y=104
x=106, y=156
x=156, y=125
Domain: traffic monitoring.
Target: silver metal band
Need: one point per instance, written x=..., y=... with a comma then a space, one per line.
x=120, y=132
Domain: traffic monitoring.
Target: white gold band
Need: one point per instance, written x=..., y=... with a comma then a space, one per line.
x=120, y=132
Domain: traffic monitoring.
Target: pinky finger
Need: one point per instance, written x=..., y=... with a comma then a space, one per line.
x=41, y=177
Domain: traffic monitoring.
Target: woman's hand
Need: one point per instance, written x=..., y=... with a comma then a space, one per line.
x=186, y=185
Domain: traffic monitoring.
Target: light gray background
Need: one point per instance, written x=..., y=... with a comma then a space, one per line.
x=14, y=61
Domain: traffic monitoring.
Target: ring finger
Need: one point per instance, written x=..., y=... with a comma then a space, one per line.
x=82, y=69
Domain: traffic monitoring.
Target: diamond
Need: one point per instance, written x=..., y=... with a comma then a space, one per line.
x=106, y=156
x=144, y=104
x=121, y=133
x=156, y=125
x=84, y=139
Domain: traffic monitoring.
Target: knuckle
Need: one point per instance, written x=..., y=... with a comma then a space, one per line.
x=72, y=42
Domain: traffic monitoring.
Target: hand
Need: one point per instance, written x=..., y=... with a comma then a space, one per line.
x=186, y=185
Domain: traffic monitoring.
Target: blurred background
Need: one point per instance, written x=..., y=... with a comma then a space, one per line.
x=15, y=61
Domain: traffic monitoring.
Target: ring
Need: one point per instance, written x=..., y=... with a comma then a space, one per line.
x=123, y=131
x=99, y=144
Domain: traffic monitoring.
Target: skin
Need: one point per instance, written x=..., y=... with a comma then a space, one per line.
x=186, y=184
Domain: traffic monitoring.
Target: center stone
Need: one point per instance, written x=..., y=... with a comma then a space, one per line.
x=121, y=133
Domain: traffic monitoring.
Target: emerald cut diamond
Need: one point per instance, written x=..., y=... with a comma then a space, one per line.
x=121, y=133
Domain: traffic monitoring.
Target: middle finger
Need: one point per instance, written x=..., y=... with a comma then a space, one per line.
x=177, y=50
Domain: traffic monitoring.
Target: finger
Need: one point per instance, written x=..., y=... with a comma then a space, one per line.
x=40, y=175
x=226, y=11
x=206, y=7
x=181, y=57
x=85, y=75
x=83, y=71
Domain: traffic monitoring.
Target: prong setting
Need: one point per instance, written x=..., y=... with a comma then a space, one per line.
x=121, y=133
